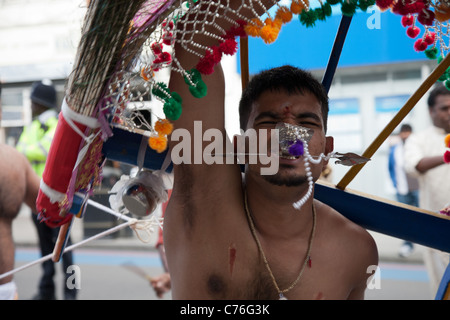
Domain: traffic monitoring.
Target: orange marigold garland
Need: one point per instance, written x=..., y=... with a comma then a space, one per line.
x=253, y=28
x=269, y=32
x=158, y=143
x=163, y=127
x=284, y=14
x=297, y=6
x=147, y=73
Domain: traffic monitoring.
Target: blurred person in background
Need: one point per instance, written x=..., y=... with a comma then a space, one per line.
x=34, y=143
x=424, y=159
x=406, y=186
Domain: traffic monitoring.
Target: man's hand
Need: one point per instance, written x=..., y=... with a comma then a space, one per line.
x=161, y=284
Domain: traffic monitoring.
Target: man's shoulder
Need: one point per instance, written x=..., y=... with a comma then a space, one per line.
x=349, y=234
x=12, y=158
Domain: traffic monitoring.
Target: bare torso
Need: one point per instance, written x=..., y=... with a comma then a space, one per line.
x=213, y=255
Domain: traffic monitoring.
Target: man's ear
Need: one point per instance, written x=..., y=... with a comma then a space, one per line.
x=329, y=146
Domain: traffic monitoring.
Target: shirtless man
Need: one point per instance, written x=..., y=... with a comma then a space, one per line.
x=211, y=250
x=18, y=184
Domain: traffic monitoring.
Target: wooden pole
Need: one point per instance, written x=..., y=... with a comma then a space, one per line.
x=245, y=75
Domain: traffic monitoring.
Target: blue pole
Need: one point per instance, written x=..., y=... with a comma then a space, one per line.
x=336, y=51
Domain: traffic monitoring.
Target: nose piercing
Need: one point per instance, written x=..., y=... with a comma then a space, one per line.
x=293, y=137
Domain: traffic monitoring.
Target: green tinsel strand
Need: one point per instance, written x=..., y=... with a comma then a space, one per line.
x=308, y=18
x=172, y=110
x=323, y=12
x=161, y=91
x=333, y=2
x=194, y=76
x=364, y=4
x=431, y=53
x=177, y=97
x=348, y=8
x=199, y=90
x=327, y=9
x=172, y=107
x=320, y=14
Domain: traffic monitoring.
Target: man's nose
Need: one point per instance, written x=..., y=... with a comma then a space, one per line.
x=289, y=119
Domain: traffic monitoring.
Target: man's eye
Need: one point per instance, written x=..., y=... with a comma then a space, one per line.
x=267, y=122
x=308, y=123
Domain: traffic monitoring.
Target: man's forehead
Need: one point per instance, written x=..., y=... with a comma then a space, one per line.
x=442, y=100
x=292, y=103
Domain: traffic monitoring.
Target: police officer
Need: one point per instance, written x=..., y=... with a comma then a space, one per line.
x=34, y=143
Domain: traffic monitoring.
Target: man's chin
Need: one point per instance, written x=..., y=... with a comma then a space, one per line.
x=287, y=181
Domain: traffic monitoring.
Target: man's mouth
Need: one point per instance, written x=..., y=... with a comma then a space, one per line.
x=288, y=156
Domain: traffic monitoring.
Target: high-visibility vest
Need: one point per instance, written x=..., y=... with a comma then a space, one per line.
x=36, y=138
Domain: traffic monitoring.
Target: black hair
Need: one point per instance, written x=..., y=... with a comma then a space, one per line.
x=438, y=90
x=405, y=128
x=289, y=78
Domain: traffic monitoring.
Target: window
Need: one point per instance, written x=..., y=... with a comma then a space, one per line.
x=12, y=108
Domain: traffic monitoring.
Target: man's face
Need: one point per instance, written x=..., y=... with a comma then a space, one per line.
x=440, y=113
x=302, y=110
x=404, y=135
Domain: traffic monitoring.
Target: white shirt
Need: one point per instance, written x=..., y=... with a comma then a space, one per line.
x=434, y=184
x=404, y=183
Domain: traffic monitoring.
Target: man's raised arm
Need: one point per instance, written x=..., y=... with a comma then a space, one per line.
x=209, y=109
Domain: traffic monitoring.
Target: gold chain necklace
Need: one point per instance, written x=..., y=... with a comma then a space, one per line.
x=308, y=252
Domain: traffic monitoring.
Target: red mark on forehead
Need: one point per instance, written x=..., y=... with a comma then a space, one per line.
x=286, y=110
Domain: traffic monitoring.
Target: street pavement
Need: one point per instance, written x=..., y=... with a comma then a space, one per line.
x=105, y=272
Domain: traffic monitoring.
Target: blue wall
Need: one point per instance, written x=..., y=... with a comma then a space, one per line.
x=309, y=48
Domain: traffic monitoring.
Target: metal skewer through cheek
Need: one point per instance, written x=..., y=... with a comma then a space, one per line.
x=294, y=141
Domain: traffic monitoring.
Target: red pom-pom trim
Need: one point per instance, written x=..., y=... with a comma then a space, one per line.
x=229, y=46
x=412, y=32
x=206, y=64
x=156, y=48
x=407, y=20
x=426, y=17
x=236, y=31
x=447, y=156
x=408, y=7
x=165, y=57
x=384, y=4
x=216, y=54
x=420, y=45
x=168, y=38
x=430, y=38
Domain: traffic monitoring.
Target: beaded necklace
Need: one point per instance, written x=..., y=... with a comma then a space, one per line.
x=266, y=263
